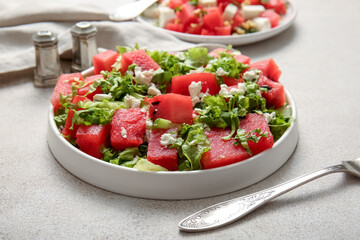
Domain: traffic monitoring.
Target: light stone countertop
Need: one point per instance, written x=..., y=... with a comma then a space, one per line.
x=320, y=60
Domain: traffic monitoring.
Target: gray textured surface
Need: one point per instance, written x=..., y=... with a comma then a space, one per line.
x=319, y=57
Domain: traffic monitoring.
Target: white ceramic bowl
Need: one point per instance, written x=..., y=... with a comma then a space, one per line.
x=172, y=185
x=235, y=40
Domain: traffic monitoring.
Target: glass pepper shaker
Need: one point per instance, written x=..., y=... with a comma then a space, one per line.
x=48, y=67
x=84, y=45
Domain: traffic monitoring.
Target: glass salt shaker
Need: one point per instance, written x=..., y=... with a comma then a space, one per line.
x=84, y=45
x=48, y=67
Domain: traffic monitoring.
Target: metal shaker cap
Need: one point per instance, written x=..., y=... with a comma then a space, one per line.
x=44, y=38
x=83, y=29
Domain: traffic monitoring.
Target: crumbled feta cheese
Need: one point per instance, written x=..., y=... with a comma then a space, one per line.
x=123, y=132
x=117, y=64
x=166, y=14
x=131, y=102
x=258, y=93
x=131, y=73
x=241, y=89
x=100, y=97
x=197, y=110
x=224, y=90
x=207, y=3
x=229, y=12
x=194, y=89
x=250, y=75
x=262, y=24
x=180, y=55
x=198, y=70
x=195, y=92
x=167, y=139
x=143, y=77
x=149, y=124
x=220, y=72
x=251, y=11
x=153, y=90
x=269, y=116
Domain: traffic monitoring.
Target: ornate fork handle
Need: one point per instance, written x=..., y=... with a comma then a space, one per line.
x=229, y=211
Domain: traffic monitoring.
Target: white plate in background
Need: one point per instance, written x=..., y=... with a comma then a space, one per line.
x=236, y=40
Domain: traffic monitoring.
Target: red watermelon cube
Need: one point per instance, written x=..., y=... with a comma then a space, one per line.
x=127, y=128
x=186, y=15
x=140, y=58
x=159, y=154
x=268, y=68
x=276, y=94
x=213, y=18
x=273, y=17
x=68, y=123
x=63, y=86
x=180, y=84
x=104, y=61
x=254, y=121
x=222, y=152
x=243, y=59
x=173, y=107
x=91, y=138
x=90, y=80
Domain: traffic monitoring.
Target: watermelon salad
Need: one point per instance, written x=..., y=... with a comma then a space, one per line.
x=161, y=111
x=218, y=17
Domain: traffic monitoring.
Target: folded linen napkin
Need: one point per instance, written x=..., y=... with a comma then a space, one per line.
x=20, y=19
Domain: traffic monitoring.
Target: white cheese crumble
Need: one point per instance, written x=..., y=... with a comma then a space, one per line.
x=167, y=139
x=100, y=97
x=229, y=12
x=241, y=89
x=197, y=110
x=153, y=90
x=262, y=24
x=194, y=89
x=258, y=93
x=149, y=124
x=166, y=14
x=143, y=77
x=195, y=92
x=131, y=73
x=250, y=75
x=123, y=132
x=269, y=116
x=180, y=55
x=117, y=64
x=198, y=70
x=224, y=90
x=251, y=11
x=220, y=72
x=131, y=102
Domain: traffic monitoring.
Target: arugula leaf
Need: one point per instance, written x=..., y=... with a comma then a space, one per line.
x=92, y=116
x=281, y=122
x=126, y=157
x=192, y=148
x=120, y=86
x=60, y=119
x=197, y=57
x=228, y=63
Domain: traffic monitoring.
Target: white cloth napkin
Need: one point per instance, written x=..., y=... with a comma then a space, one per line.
x=20, y=19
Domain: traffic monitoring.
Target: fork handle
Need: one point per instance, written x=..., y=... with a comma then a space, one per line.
x=229, y=211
